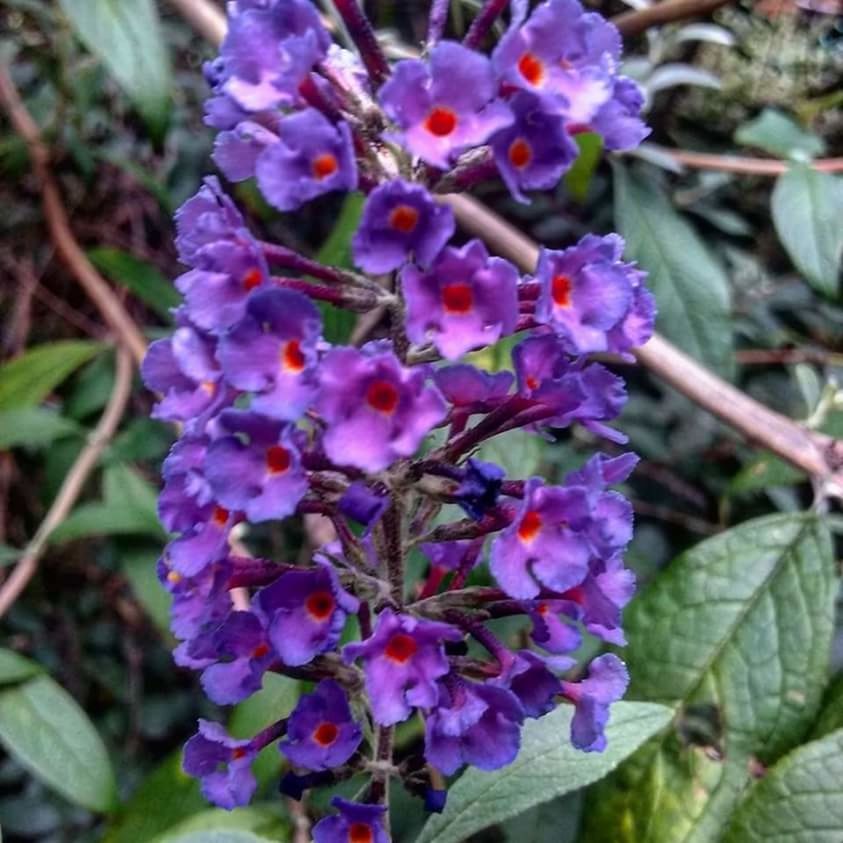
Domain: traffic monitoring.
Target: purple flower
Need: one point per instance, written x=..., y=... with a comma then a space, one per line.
x=472, y=390
x=563, y=55
x=305, y=612
x=618, y=120
x=375, y=410
x=466, y=300
x=586, y=292
x=205, y=219
x=531, y=678
x=262, y=476
x=199, y=602
x=606, y=682
x=185, y=487
x=402, y=661
x=312, y=157
x=272, y=353
x=268, y=51
x=356, y=823
x=478, y=492
x=237, y=150
x=600, y=598
x=451, y=555
x=473, y=724
x=206, y=542
x=443, y=106
x=183, y=370
x=638, y=325
x=550, y=631
x=321, y=732
x=534, y=152
x=223, y=764
x=400, y=220
x=364, y=505
x=544, y=545
x=243, y=654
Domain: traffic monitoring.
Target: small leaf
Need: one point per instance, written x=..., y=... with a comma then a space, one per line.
x=34, y=427
x=799, y=801
x=778, y=134
x=546, y=767
x=807, y=209
x=44, y=728
x=764, y=471
x=126, y=36
x=671, y=75
x=578, y=178
x=139, y=567
x=708, y=32
x=219, y=837
x=255, y=819
x=15, y=667
x=143, y=279
x=28, y=380
x=690, y=286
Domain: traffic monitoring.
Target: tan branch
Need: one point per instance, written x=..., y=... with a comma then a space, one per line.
x=73, y=482
x=97, y=288
x=638, y=21
x=744, y=164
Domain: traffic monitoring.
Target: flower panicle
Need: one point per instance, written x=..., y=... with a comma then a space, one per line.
x=276, y=422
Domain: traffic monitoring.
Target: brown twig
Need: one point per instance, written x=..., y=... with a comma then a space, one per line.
x=73, y=482
x=122, y=325
x=743, y=164
x=787, y=357
x=638, y=21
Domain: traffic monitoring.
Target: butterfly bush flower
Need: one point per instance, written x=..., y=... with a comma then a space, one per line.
x=277, y=423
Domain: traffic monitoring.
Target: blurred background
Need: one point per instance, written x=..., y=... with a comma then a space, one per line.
x=116, y=90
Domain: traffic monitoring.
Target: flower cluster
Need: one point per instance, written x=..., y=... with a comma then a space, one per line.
x=275, y=422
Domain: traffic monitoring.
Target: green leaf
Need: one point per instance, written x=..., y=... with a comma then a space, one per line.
x=15, y=667
x=831, y=716
x=736, y=634
x=255, y=819
x=807, y=209
x=220, y=837
x=778, y=134
x=138, y=565
x=689, y=284
x=27, y=380
x=44, y=728
x=546, y=767
x=336, y=251
x=126, y=36
x=519, y=452
x=578, y=178
x=143, y=279
x=552, y=822
x=167, y=796
x=761, y=473
x=34, y=426
x=799, y=801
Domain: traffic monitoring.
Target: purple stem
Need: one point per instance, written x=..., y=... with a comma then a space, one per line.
x=287, y=258
x=436, y=21
x=483, y=22
x=489, y=426
x=270, y=734
x=345, y=297
x=363, y=35
x=248, y=572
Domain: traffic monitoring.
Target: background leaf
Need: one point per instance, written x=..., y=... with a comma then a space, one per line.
x=799, y=801
x=34, y=426
x=28, y=379
x=45, y=729
x=547, y=766
x=15, y=667
x=737, y=634
x=689, y=284
x=778, y=134
x=126, y=36
x=807, y=209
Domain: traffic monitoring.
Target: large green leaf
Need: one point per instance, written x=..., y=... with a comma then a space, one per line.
x=33, y=426
x=689, y=284
x=126, y=36
x=547, y=766
x=44, y=728
x=807, y=209
x=736, y=634
x=28, y=379
x=799, y=801
x=15, y=667
x=255, y=819
x=219, y=837
x=143, y=279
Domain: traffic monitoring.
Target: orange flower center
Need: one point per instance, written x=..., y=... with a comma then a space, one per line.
x=319, y=605
x=441, y=121
x=208, y=387
x=561, y=290
x=360, y=833
x=252, y=278
x=531, y=68
x=325, y=733
x=400, y=648
x=520, y=154
x=220, y=516
x=532, y=382
x=292, y=359
x=457, y=298
x=238, y=752
x=277, y=459
x=403, y=218
x=325, y=165
x=174, y=577
x=530, y=525
x=382, y=396
x=260, y=651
